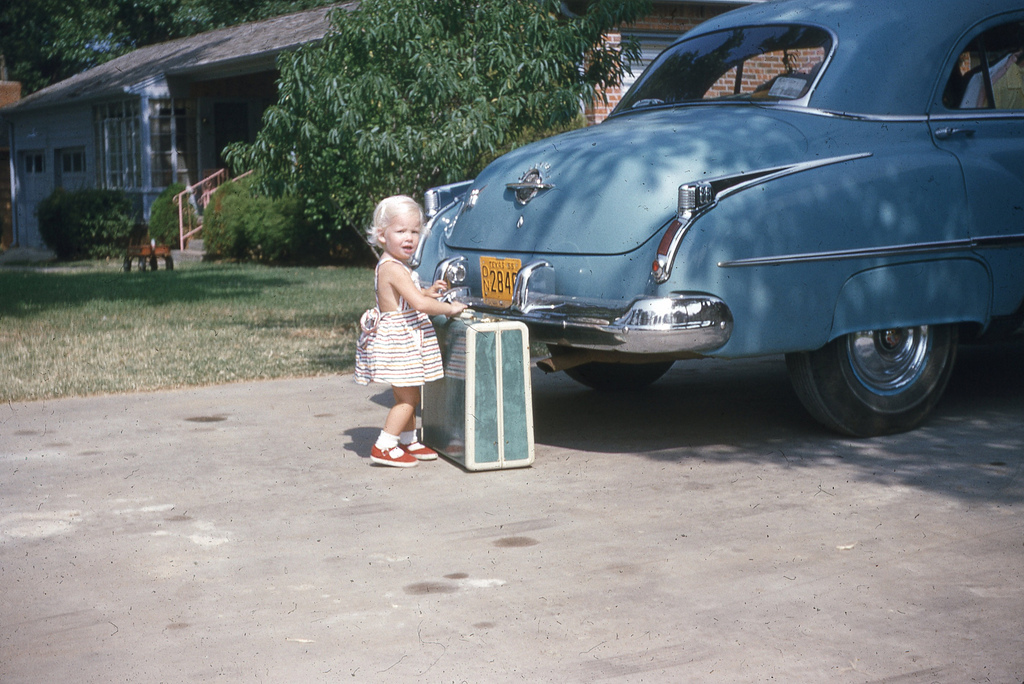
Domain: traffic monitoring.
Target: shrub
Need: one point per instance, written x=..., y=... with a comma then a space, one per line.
x=163, y=216
x=239, y=224
x=224, y=232
x=85, y=223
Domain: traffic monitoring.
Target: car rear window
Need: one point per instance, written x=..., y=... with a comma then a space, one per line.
x=757, y=64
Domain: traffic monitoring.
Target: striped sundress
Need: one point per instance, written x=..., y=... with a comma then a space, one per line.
x=398, y=348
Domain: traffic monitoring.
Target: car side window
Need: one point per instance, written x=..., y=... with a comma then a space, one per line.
x=990, y=71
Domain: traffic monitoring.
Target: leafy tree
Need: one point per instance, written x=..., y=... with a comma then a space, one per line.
x=406, y=94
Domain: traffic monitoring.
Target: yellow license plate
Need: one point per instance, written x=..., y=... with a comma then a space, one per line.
x=498, y=276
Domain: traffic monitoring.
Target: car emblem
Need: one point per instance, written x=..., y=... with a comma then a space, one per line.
x=531, y=183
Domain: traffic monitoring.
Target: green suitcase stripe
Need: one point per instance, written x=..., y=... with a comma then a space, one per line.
x=516, y=437
x=485, y=405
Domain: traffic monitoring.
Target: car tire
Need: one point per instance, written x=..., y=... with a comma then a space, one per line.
x=875, y=382
x=617, y=377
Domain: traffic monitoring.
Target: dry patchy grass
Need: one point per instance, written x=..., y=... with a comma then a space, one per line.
x=72, y=332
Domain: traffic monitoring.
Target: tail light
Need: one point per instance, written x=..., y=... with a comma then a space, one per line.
x=694, y=199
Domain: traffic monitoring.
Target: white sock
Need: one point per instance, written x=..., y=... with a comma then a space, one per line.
x=386, y=441
x=408, y=437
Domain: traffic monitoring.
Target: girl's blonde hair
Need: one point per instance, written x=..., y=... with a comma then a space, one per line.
x=387, y=210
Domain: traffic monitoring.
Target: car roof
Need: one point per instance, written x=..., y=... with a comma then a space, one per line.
x=890, y=54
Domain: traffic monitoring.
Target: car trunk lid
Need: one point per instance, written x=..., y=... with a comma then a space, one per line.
x=609, y=188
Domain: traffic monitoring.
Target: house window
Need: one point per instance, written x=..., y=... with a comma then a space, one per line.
x=72, y=161
x=34, y=162
x=69, y=167
x=172, y=142
x=651, y=45
x=118, y=145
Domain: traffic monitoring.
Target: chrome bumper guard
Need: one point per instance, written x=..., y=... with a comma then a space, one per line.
x=678, y=323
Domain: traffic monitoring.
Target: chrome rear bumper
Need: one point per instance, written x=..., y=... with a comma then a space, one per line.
x=674, y=324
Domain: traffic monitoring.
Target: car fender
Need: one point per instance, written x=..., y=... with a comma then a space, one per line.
x=780, y=253
x=914, y=293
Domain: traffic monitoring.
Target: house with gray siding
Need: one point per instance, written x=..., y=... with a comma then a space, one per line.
x=158, y=115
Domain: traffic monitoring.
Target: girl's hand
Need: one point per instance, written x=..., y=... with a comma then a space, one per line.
x=457, y=308
x=436, y=290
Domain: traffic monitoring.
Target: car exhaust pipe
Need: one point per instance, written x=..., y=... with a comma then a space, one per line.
x=562, y=358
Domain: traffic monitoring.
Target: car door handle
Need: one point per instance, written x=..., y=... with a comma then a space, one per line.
x=947, y=133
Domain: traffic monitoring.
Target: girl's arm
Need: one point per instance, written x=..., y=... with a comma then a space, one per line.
x=395, y=278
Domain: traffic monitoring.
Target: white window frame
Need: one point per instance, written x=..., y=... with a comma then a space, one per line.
x=118, y=145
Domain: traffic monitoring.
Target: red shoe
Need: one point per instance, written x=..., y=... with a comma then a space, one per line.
x=395, y=456
x=419, y=451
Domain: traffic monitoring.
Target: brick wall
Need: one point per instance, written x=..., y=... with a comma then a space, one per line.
x=10, y=92
x=678, y=18
x=763, y=69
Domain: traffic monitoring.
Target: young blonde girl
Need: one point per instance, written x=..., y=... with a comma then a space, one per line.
x=400, y=347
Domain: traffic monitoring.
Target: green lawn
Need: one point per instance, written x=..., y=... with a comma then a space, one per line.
x=91, y=329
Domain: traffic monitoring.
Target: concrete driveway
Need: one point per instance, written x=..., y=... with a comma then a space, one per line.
x=703, y=531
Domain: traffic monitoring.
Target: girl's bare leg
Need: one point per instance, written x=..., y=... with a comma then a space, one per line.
x=402, y=416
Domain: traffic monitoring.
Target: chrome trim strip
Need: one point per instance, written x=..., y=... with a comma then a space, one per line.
x=993, y=241
x=855, y=116
x=521, y=294
x=529, y=186
x=978, y=115
x=770, y=174
x=432, y=199
x=989, y=242
x=417, y=256
x=439, y=198
x=961, y=115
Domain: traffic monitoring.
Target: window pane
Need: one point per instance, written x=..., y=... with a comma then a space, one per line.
x=118, y=148
x=172, y=141
x=764, y=64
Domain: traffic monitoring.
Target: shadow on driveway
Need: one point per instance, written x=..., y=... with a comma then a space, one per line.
x=746, y=410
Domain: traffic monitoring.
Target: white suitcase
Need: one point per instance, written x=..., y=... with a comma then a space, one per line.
x=481, y=414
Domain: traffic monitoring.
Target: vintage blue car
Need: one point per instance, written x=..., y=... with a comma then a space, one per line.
x=841, y=182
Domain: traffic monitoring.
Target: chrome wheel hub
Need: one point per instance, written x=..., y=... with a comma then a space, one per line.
x=887, y=361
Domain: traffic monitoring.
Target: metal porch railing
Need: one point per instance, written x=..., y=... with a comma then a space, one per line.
x=198, y=196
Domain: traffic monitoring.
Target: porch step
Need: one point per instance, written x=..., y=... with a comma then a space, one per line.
x=194, y=252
